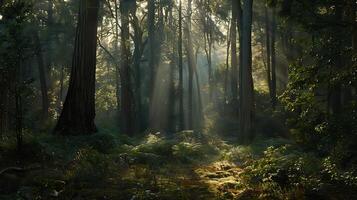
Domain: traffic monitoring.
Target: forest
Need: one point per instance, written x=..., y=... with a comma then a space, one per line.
x=178, y=99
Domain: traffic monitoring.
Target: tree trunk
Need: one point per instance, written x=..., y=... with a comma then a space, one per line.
x=190, y=63
x=268, y=48
x=171, y=104
x=247, y=96
x=273, y=60
x=180, y=66
x=152, y=46
x=199, y=117
x=138, y=51
x=117, y=64
x=227, y=66
x=42, y=74
x=78, y=112
x=234, y=63
x=208, y=42
x=126, y=91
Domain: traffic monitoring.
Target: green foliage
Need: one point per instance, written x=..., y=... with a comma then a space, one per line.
x=287, y=172
x=89, y=166
x=65, y=148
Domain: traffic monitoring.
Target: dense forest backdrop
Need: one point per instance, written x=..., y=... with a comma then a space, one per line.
x=178, y=99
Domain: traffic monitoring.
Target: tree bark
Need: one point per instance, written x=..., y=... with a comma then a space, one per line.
x=138, y=51
x=227, y=65
x=234, y=62
x=42, y=74
x=180, y=66
x=171, y=103
x=190, y=64
x=273, y=60
x=268, y=48
x=247, y=96
x=152, y=46
x=78, y=112
x=127, y=125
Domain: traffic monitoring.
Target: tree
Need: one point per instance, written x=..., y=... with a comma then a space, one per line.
x=234, y=62
x=270, y=31
x=126, y=90
x=42, y=74
x=246, y=110
x=190, y=64
x=152, y=45
x=139, y=46
x=273, y=60
x=78, y=112
x=180, y=66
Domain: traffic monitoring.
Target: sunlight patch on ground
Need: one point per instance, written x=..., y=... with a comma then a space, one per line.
x=222, y=178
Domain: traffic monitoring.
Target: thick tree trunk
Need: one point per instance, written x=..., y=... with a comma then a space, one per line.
x=247, y=96
x=78, y=112
x=138, y=52
x=42, y=74
x=127, y=125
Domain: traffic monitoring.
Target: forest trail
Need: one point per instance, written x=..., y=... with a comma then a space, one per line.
x=185, y=167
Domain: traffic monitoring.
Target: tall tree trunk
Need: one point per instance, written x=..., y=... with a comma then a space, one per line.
x=354, y=26
x=180, y=66
x=47, y=60
x=208, y=42
x=354, y=36
x=199, y=117
x=19, y=119
x=42, y=74
x=126, y=91
x=247, y=96
x=78, y=112
x=240, y=58
x=138, y=52
x=227, y=65
x=171, y=104
x=152, y=46
x=190, y=64
x=117, y=64
x=268, y=47
x=234, y=62
x=273, y=60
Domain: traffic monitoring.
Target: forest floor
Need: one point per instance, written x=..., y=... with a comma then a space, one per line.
x=186, y=165
x=102, y=166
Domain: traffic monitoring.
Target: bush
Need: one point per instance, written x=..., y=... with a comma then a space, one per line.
x=90, y=166
x=286, y=172
x=103, y=143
